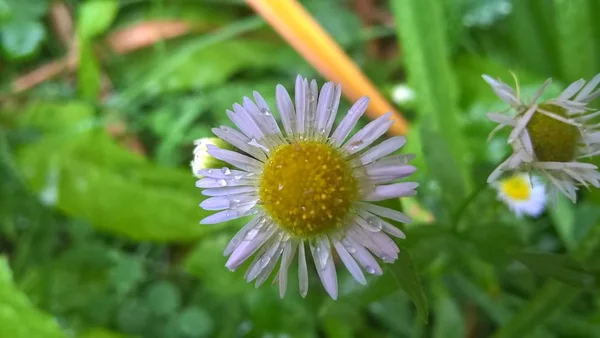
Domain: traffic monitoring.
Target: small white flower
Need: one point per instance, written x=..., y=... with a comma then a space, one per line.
x=522, y=194
x=310, y=184
x=550, y=137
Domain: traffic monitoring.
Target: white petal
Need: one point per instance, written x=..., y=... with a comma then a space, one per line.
x=236, y=159
x=585, y=92
x=244, y=122
x=385, y=212
x=226, y=202
x=323, y=258
x=268, y=254
x=247, y=233
x=289, y=250
x=349, y=262
x=228, y=191
x=362, y=256
x=368, y=134
x=239, y=141
x=383, y=149
x=286, y=110
x=383, y=192
x=324, y=107
x=571, y=90
x=263, y=117
x=521, y=123
x=227, y=215
x=501, y=118
x=349, y=121
x=247, y=248
x=396, y=171
x=334, y=108
x=301, y=96
x=302, y=270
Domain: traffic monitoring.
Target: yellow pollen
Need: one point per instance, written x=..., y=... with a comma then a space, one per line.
x=552, y=140
x=516, y=188
x=308, y=188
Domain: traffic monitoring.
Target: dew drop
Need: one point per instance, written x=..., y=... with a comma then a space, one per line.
x=225, y=171
x=387, y=259
x=252, y=233
x=311, y=98
x=254, y=142
x=369, y=269
x=322, y=130
x=350, y=249
x=265, y=111
x=209, y=171
x=222, y=182
x=237, y=177
x=264, y=261
x=374, y=223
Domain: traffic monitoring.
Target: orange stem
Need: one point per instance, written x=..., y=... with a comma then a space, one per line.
x=305, y=35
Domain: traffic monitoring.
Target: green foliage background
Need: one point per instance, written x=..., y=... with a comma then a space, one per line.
x=97, y=241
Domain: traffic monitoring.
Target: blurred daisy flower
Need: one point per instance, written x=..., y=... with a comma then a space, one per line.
x=549, y=138
x=307, y=186
x=522, y=194
x=202, y=159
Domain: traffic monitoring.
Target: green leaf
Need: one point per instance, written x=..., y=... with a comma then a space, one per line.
x=95, y=17
x=563, y=215
x=127, y=273
x=18, y=317
x=556, y=266
x=86, y=174
x=426, y=52
x=88, y=73
x=405, y=274
x=506, y=241
x=21, y=39
x=101, y=333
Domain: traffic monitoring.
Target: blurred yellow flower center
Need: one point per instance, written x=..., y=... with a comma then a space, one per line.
x=308, y=188
x=553, y=140
x=516, y=187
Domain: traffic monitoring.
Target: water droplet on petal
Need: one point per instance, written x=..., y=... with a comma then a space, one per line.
x=387, y=259
x=265, y=111
x=237, y=177
x=322, y=130
x=252, y=233
x=311, y=98
x=222, y=182
x=375, y=224
x=350, y=249
x=264, y=261
x=225, y=171
x=209, y=171
x=369, y=269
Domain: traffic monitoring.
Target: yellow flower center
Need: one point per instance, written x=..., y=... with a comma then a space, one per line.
x=553, y=140
x=308, y=188
x=516, y=187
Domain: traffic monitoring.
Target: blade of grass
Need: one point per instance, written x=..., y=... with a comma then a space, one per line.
x=427, y=62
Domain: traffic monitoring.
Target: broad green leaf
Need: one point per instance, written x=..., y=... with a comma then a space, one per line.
x=95, y=16
x=563, y=215
x=86, y=174
x=101, y=333
x=506, y=241
x=20, y=39
x=427, y=60
x=405, y=273
x=18, y=317
x=560, y=267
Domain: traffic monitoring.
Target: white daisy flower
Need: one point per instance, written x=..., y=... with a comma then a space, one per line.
x=522, y=194
x=550, y=137
x=307, y=185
